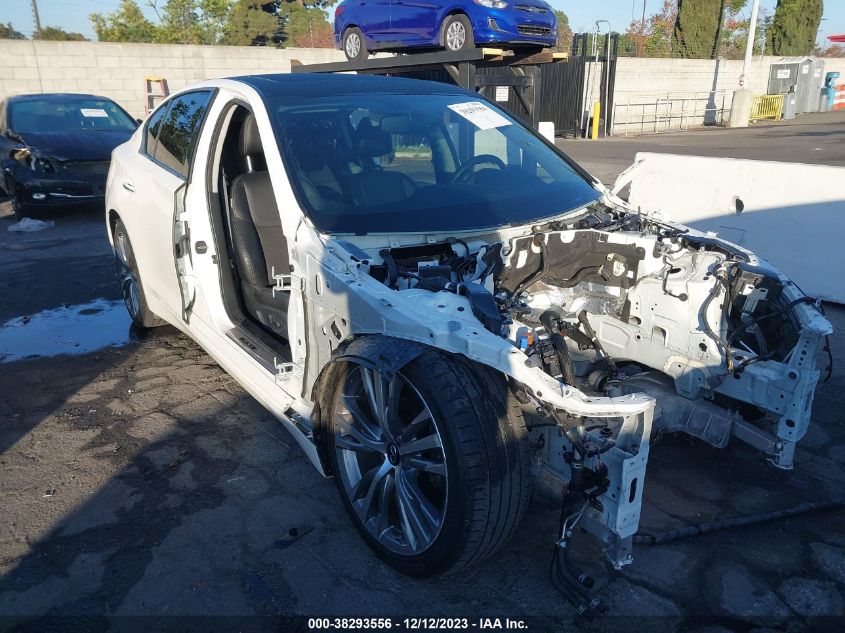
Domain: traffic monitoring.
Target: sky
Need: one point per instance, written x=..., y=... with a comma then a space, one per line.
x=72, y=15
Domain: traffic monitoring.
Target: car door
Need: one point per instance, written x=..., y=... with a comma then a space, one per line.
x=155, y=185
x=373, y=18
x=414, y=21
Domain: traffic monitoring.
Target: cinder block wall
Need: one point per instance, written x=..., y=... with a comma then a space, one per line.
x=117, y=70
x=643, y=80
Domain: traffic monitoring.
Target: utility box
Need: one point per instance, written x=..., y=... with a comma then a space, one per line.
x=790, y=105
x=810, y=84
x=803, y=77
x=782, y=78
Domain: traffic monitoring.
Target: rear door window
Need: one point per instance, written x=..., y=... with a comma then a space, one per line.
x=180, y=128
x=152, y=129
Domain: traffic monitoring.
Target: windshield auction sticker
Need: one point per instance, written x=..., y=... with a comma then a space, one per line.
x=94, y=113
x=480, y=115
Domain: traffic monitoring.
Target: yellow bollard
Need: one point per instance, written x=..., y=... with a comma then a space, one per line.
x=596, y=115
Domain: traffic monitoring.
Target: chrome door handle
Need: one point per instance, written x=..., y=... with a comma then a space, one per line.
x=129, y=186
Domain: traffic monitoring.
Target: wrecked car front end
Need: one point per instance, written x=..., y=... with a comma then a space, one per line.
x=611, y=327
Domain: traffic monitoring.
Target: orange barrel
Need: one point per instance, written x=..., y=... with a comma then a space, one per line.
x=839, y=99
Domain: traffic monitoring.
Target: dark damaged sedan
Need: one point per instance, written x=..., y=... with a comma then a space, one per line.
x=55, y=149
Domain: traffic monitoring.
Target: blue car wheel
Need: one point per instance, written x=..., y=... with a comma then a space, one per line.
x=456, y=33
x=353, y=44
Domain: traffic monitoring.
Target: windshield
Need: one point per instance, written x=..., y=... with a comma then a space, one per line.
x=420, y=163
x=48, y=116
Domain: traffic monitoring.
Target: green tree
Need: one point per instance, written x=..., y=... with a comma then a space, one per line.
x=251, y=22
x=697, y=28
x=795, y=27
x=8, y=32
x=564, y=32
x=58, y=34
x=126, y=24
x=305, y=26
x=652, y=38
x=179, y=22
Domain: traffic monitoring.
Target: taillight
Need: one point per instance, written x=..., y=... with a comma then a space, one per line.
x=338, y=10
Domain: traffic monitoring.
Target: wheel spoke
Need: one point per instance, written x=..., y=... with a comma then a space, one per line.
x=405, y=523
x=365, y=443
x=368, y=425
x=420, y=518
x=414, y=425
x=369, y=381
x=382, y=516
x=422, y=444
x=429, y=466
x=383, y=396
x=369, y=487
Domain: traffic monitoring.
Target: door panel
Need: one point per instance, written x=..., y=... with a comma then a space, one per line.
x=414, y=21
x=373, y=17
x=182, y=253
x=147, y=208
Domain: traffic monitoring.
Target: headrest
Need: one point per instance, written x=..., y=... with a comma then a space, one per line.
x=372, y=141
x=250, y=142
x=398, y=124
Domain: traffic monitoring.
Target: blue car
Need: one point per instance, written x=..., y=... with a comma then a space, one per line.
x=363, y=26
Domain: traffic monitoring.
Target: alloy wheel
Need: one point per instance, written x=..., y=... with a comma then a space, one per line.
x=353, y=45
x=128, y=279
x=456, y=36
x=391, y=459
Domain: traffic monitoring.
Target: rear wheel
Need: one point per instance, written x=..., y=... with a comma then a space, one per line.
x=457, y=33
x=431, y=462
x=353, y=44
x=130, y=282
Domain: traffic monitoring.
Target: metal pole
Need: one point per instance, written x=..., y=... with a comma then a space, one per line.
x=749, y=46
x=641, y=48
x=606, y=74
x=36, y=18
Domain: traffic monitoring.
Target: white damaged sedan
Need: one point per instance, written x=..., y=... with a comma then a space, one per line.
x=439, y=305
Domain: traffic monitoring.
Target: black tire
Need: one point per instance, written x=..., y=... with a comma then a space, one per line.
x=487, y=463
x=130, y=281
x=354, y=46
x=456, y=33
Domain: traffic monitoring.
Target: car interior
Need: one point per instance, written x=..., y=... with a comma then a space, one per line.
x=342, y=159
x=248, y=222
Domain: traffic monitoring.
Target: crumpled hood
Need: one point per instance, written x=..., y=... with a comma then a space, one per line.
x=82, y=145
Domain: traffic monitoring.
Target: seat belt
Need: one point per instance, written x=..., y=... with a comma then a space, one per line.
x=230, y=246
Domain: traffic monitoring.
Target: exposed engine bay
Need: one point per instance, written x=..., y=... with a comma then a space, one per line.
x=613, y=303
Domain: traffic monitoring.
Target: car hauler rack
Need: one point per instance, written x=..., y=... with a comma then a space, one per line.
x=510, y=77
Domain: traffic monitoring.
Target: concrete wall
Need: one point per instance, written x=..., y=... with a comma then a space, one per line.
x=691, y=91
x=117, y=70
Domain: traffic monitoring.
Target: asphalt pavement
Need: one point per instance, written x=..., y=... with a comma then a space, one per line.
x=817, y=139
x=138, y=479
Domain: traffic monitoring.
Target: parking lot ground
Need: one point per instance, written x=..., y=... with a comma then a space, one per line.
x=811, y=138
x=139, y=479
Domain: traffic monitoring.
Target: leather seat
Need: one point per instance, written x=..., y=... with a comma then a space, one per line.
x=259, y=243
x=375, y=186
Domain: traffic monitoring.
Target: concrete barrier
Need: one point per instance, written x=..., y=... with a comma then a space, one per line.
x=791, y=214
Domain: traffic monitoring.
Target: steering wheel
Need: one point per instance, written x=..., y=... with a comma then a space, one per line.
x=481, y=159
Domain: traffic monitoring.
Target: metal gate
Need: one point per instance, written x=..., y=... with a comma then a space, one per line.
x=559, y=98
x=533, y=85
